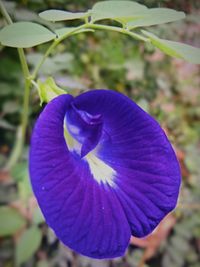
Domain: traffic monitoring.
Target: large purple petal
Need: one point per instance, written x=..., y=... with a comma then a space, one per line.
x=147, y=176
x=85, y=215
x=126, y=184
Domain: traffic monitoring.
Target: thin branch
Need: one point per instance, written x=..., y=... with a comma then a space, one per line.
x=16, y=152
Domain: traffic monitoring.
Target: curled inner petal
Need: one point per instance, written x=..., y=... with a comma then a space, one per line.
x=84, y=127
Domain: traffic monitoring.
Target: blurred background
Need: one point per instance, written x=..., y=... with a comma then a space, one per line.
x=166, y=88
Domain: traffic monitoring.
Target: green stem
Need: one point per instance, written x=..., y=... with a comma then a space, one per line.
x=17, y=150
x=21, y=132
x=24, y=64
x=48, y=52
x=5, y=13
x=117, y=29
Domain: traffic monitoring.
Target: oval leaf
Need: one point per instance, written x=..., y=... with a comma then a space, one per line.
x=19, y=172
x=155, y=16
x=28, y=244
x=11, y=221
x=38, y=217
x=60, y=15
x=122, y=11
x=25, y=34
x=175, y=49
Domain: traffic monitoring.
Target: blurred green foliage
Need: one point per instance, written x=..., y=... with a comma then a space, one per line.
x=167, y=88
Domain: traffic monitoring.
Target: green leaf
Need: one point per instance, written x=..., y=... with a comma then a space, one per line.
x=28, y=244
x=38, y=216
x=21, y=175
x=68, y=30
x=11, y=221
x=60, y=15
x=6, y=125
x=25, y=34
x=48, y=90
x=42, y=263
x=175, y=49
x=155, y=16
x=19, y=171
x=25, y=189
x=122, y=11
x=10, y=107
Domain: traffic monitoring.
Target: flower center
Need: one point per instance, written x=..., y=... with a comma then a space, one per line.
x=83, y=132
x=85, y=128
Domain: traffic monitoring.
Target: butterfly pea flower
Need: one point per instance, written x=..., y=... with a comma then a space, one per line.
x=102, y=169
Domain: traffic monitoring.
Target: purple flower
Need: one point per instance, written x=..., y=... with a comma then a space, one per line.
x=102, y=170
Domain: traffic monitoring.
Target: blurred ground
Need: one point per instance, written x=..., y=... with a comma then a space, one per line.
x=167, y=88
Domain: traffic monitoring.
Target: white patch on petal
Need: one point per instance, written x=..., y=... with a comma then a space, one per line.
x=72, y=144
x=101, y=172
